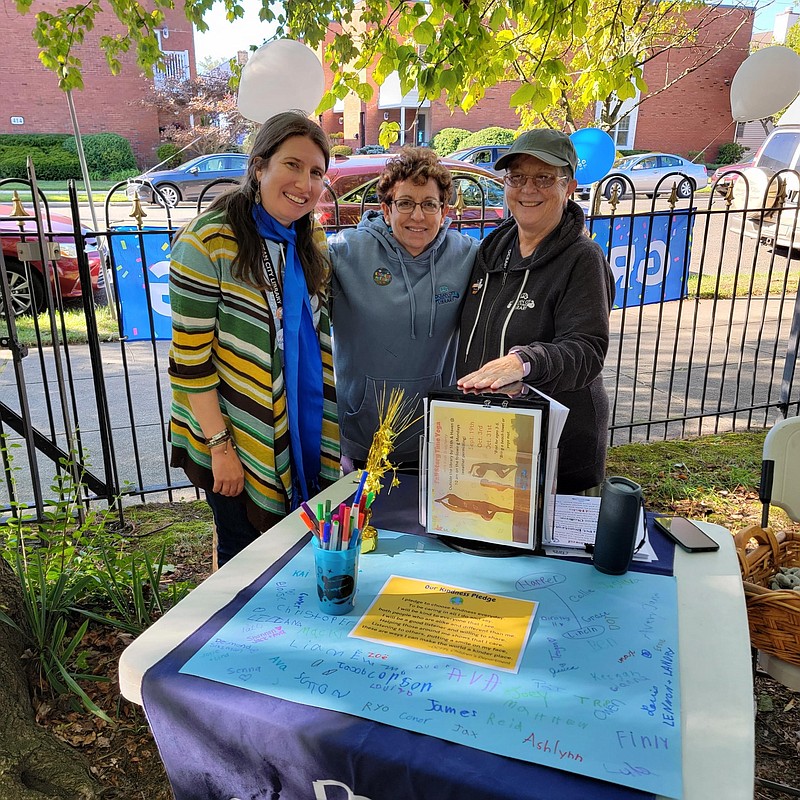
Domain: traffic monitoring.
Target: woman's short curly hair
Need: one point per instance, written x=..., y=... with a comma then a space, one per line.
x=418, y=165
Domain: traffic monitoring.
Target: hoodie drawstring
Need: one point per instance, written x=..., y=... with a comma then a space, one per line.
x=477, y=316
x=412, y=302
x=433, y=295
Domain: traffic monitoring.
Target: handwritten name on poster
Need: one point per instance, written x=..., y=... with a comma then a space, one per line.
x=597, y=691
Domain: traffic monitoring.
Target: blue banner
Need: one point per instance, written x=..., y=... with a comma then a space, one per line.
x=136, y=296
x=649, y=254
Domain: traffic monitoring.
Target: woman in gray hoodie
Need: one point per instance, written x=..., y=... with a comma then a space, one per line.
x=399, y=281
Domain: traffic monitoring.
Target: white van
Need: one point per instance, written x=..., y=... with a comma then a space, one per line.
x=766, y=197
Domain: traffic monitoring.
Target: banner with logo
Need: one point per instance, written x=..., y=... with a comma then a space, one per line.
x=143, y=282
x=649, y=254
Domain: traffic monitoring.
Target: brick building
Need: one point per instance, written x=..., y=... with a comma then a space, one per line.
x=691, y=115
x=33, y=103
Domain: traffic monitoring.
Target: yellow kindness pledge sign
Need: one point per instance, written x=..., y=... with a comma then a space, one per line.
x=430, y=617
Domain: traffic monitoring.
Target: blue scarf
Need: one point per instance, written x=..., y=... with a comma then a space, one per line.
x=302, y=362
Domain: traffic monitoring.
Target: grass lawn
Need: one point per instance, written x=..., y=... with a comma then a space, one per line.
x=74, y=325
x=727, y=286
x=56, y=191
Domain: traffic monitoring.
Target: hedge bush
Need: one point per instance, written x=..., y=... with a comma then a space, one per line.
x=13, y=166
x=105, y=153
x=122, y=175
x=39, y=141
x=449, y=140
x=170, y=154
x=341, y=150
x=49, y=166
x=731, y=153
x=46, y=150
x=492, y=135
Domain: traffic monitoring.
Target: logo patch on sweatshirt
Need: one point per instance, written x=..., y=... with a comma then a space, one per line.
x=523, y=304
x=446, y=295
x=382, y=276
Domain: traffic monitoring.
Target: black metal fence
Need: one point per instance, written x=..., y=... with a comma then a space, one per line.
x=704, y=338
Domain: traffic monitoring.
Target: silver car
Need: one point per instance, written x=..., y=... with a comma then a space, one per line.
x=650, y=170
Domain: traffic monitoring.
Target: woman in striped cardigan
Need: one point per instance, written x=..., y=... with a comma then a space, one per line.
x=254, y=419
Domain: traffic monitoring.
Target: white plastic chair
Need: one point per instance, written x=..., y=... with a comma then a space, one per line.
x=780, y=486
x=780, y=470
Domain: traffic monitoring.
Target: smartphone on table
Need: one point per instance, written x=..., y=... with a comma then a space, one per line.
x=686, y=534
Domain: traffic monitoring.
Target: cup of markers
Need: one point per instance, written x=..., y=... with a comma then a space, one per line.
x=337, y=545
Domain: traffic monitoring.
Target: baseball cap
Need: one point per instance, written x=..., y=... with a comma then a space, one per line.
x=552, y=147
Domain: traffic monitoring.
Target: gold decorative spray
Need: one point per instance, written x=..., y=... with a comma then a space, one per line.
x=395, y=415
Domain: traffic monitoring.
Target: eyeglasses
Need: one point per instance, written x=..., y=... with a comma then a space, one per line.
x=405, y=206
x=516, y=180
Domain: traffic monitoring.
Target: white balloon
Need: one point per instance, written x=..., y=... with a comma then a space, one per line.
x=282, y=75
x=766, y=82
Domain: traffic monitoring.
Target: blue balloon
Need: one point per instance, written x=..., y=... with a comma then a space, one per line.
x=596, y=154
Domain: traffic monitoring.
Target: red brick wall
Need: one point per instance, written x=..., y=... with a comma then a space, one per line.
x=107, y=103
x=695, y=113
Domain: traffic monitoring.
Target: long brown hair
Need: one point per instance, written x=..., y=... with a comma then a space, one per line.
x=238, y=205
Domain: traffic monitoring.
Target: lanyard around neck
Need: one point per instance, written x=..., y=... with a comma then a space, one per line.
x=272, y=275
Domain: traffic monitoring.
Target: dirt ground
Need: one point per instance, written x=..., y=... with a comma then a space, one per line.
x=777, y=738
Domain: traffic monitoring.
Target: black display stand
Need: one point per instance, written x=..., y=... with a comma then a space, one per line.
x=476, y=548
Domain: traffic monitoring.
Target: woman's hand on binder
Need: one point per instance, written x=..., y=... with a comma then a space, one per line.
x=494, y=374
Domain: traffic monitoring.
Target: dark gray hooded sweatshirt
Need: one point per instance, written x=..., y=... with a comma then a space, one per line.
x=555, y=306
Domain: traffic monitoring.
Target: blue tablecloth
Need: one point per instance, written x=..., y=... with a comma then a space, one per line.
x=222, y=742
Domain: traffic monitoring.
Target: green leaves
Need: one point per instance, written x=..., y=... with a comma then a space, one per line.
x=73, y=571
x=424, y=33
x=567, y=55
x=389, y=134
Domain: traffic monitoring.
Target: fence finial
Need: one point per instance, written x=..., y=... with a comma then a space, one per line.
x=137, y=212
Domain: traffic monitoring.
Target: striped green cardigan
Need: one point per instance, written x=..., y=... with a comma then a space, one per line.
x=223, y=338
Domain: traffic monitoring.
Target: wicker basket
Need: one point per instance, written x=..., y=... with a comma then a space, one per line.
x=773, y=614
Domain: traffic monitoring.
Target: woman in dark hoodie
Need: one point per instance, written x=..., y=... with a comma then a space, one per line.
x=539, y=301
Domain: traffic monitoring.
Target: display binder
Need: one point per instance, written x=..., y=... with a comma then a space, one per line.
x=488, y=466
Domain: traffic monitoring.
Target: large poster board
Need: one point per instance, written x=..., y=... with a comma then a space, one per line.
x=597, y=689
x=483, y=472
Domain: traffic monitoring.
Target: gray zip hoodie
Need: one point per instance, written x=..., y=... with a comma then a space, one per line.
x=395, y=321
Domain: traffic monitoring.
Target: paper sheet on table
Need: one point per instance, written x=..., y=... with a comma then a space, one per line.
x=438, y=618
x=576, y=526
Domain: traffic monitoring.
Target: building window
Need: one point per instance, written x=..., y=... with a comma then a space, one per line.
x=624, y=132
x=621, y=132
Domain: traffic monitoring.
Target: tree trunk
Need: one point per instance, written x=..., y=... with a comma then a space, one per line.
x=33, y=764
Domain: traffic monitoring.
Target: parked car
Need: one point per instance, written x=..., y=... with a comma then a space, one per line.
x=651, y=170
x=484, y=156
x=352, y=180
x=725, y=175
x=28, y=295
x=759, y=190
x=187, y=181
